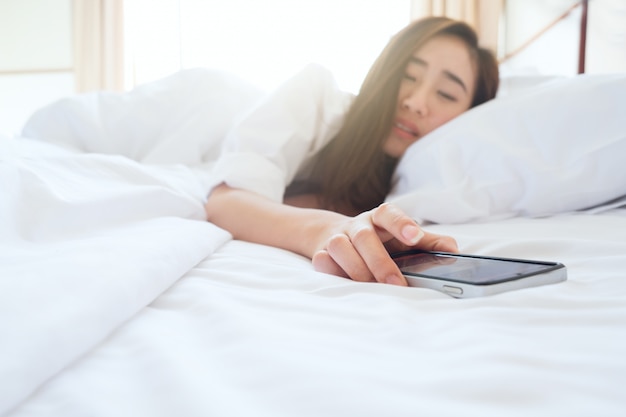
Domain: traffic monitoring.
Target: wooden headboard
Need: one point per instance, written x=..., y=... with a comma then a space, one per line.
x=582, y=47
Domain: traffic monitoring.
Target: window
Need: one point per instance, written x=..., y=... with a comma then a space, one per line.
x=263, y=41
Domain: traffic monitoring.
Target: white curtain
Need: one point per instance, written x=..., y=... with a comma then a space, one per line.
x=483, y=15
x=98, y=44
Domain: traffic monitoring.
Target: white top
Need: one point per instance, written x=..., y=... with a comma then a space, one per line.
x=275, y=141
x=188, y=118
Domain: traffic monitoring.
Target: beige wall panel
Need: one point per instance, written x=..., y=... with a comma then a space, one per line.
x=35, y=35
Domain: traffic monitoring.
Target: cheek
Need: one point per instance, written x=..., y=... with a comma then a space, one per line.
x=445, y=115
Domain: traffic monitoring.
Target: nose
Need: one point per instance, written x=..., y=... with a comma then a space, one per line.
x=416, y=100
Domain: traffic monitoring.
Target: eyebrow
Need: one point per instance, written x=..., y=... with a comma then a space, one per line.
x=449, y=75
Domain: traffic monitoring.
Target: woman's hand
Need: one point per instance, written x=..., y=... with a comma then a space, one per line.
x=358, y=247
x=354, y=247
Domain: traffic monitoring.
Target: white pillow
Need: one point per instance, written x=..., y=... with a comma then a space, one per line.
x=559, y=147
x=515, y=84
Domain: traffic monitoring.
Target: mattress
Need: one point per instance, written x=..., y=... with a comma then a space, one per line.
x=253, y=330
x=117, y=298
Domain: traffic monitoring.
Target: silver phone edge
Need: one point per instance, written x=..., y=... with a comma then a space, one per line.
x=472, y=291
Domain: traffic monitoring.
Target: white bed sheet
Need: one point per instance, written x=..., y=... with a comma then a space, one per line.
x=254, y=331
x=117, y=299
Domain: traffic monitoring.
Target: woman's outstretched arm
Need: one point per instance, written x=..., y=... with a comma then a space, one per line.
x=353, y=247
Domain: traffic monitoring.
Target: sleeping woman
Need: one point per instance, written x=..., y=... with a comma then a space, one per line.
x=309, y=168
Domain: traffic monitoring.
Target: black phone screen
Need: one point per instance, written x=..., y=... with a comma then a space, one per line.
x=467, y=269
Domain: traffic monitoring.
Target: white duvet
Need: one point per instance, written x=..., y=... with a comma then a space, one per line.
x=118, y=299
x=86, y=241
x=123, y=302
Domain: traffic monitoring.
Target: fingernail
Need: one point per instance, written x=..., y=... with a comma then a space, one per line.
x=412, y=234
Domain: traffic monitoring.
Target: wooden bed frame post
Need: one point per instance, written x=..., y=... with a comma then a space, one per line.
x=582, y=51
x=582, y=45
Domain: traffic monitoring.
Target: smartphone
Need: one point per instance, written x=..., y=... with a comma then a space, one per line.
x=466, y=276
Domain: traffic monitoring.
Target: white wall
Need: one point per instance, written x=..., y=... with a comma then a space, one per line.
x=556, y=51
x=35, y=58
x=606, y=46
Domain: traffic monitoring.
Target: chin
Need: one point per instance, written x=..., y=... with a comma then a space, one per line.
x=395, y=150
x=394, y=153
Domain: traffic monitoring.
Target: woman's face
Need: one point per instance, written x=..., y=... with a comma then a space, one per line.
x=438, y=85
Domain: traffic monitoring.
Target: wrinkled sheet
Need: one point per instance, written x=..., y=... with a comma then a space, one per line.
x=253, y=330
x=118, y=299
x=86, y=241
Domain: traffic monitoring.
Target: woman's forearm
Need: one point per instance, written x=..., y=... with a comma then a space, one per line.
x=254, y=218
x=354, y=247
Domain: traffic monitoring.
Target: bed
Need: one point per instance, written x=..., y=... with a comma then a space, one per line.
x=118, y=299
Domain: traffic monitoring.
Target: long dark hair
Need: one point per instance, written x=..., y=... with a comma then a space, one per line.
x=352, y=173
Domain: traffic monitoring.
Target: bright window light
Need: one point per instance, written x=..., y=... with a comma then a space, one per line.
x=264, y=42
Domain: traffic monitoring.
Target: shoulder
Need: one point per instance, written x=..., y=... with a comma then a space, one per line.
x=313, y=93
x=316, y=72
x=317, y=80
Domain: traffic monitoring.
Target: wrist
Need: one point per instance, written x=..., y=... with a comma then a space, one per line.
x=322, y=226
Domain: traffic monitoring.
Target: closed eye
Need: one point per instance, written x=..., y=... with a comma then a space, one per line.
x=447, y=96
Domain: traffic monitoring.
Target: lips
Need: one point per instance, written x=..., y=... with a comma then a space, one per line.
x=406, y=129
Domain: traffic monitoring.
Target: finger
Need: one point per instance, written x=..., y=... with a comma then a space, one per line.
x=440, y=243
x=343, y=253
x=323, y=262
x=396, y=223
x=375, y=256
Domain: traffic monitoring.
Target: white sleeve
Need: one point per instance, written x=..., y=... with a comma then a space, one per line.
x=265, y=150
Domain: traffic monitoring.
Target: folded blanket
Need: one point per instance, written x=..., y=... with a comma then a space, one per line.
x=86, y=241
